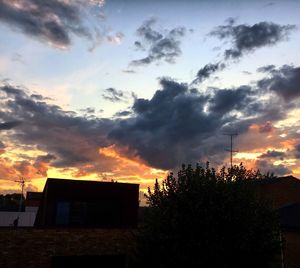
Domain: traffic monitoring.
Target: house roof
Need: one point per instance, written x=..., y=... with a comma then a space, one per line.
x=275, y=180
x=65, y=188
x=281, y=191
x=118, y=201
x=59, y=181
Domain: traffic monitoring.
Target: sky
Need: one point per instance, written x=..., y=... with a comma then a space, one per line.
x=130, y=90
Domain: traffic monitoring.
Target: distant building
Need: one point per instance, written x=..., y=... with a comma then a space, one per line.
x=105, y=215
x=11, y=213
x=284, y=194
x=88, y=204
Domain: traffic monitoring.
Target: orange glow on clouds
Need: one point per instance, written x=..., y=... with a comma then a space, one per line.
x=120, y=168
x=124, y=168
x=131, y=169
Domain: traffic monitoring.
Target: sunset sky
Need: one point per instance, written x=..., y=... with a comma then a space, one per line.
x=131, y=89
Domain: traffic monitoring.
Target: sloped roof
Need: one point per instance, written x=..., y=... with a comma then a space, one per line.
x=277, y=180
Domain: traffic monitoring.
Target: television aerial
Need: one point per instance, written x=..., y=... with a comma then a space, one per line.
x=21, y=182
x=231, y=150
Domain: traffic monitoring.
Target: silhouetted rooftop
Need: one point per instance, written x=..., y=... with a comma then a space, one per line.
x=276, y=180
x=88, y=203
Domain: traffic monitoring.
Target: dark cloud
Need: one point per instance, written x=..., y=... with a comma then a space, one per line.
x=273, y=154
x=40, y=97
x=226, y=100
x=164, y=125
x=138, y=45
x=247, y=38
x=45, y=158
x=278, y=170
x=42, y=162
x=2, y=145
x=207, y=71
x=69, y=140
x=123, y=113
x=266, y=69
x=285, y=82
x=88, y=110
x=9, y=125
x=52, y=21
x=2, y=148
x=179, y=124
x=146, y=31
x=266, y=127
x=160, y=45
x=113, y=95
x=297, y=151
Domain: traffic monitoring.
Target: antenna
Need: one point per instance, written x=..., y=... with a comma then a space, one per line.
x=21, y=181
x=231, y=135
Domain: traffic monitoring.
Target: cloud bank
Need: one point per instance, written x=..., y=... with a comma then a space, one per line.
x=178, y=124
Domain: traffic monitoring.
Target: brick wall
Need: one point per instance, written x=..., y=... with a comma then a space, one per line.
x=34, y=247
x=291, y=254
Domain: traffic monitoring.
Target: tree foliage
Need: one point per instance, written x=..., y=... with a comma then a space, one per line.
x=10, y=202
x=205, y=218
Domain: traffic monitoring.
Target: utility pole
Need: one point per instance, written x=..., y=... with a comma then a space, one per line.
x=22, y=184
x=231, y=150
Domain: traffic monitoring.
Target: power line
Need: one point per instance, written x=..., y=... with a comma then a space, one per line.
x=231, y=135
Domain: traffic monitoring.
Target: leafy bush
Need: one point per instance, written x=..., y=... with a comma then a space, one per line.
x=205, y=218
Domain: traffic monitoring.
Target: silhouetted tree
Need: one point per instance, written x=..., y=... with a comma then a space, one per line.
x=204, y=218
x=10, y=202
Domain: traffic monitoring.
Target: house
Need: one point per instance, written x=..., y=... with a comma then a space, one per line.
x=78, y=224
x=75, y=203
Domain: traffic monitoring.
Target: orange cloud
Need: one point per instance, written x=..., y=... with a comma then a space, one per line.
x=131, y=169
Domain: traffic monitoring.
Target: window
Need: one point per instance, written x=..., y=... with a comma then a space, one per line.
x=62, y=213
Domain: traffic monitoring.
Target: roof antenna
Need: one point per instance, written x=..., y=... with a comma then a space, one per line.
x=231, y=150
x=21, y=181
